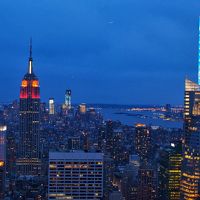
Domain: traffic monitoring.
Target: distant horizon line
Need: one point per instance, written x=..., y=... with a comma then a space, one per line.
x=103, y=104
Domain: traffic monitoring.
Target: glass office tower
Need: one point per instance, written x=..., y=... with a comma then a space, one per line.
x=190, y=180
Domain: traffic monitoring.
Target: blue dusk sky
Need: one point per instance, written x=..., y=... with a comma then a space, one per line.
x=106, y=51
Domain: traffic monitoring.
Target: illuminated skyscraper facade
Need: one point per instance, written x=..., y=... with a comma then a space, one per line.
x=51, y=106
x=28, y=162
x=170, y=172
x=67, y=105
x=190, y=181
x=68, y=97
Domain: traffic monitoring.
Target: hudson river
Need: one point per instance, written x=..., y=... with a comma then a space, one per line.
x=146, y=117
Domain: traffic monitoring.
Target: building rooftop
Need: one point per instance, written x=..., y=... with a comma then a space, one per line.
x=79, y=155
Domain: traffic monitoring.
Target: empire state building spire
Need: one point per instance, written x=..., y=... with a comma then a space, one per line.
x=28, y=160
x=30, y=66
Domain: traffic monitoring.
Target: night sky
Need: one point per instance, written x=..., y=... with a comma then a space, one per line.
x=106, y=51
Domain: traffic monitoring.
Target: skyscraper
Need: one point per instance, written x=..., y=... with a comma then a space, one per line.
x=28, y=162
x=143, y=145
x=190, y=180
x=66, y=106
x=2, y=159
x=199, y=56
x=68, y=97
x=51, y=106
x=82, y=108
x=170, y=172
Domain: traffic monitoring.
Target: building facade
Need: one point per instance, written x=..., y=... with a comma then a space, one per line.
x=143, y=143
x=190, y=180
x=51, y=106
x=68, y=99
x=74, y=143
x=170, y=172
x=75, y=175
x=146, y=184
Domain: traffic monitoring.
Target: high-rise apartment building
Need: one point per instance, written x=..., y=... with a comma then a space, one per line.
x=143, y=144
x=75, y=175
x=28, y=161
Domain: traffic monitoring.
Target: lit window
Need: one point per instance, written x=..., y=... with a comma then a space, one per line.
x=35, y=83
x=24, y=83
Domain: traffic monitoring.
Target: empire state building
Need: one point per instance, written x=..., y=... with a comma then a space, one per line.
x=28, y=162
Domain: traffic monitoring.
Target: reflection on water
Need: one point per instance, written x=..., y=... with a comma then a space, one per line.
x=146, y=117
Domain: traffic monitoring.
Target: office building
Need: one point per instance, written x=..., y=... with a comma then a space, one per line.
x=170, y=172
x=82, y=108
x=190, y=180
x=75, y=175
x=51, y=106
x=68, y=99
x=28, y=161
x=2, y=159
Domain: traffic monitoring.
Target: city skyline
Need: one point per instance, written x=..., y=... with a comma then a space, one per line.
x=103, y=104
x=102, y=49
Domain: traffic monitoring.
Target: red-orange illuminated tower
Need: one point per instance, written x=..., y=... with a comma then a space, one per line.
x=28, y=162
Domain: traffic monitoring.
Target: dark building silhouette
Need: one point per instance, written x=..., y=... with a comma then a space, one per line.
x=74, y=143
x=109, y=136
x=146, y=184
x=2, y=159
